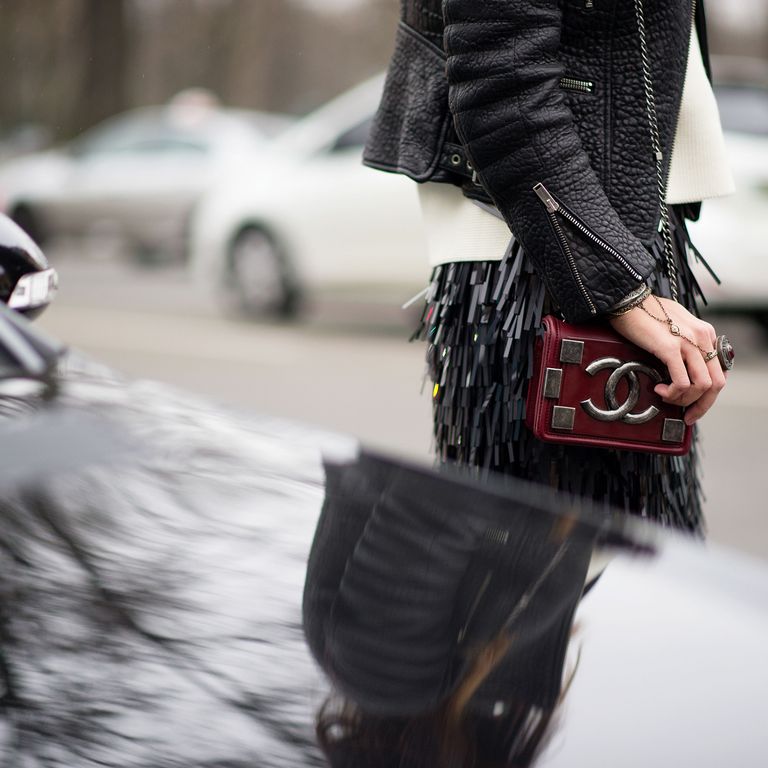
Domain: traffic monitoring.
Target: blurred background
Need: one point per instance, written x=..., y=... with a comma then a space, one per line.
x=192, y=168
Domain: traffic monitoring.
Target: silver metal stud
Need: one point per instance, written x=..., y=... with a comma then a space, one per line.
x=673, y=431
x=553, y=381
x=571, y=351
x=563, y=417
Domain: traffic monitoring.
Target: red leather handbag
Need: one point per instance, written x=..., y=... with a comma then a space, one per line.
x=593, y=387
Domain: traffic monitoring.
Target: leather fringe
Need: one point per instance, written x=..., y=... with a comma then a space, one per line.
x=480, y=322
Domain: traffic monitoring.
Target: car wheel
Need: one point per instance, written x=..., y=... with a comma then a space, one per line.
x=258, y=282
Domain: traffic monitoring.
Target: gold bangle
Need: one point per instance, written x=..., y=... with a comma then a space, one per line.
x=634, y=299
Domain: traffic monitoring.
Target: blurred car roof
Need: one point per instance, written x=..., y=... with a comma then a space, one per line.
x=215, y=125
x=319, y=128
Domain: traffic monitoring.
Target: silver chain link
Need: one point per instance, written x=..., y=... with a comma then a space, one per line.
x=653, y=126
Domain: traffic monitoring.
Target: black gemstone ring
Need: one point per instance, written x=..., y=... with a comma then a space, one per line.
x=725, y=353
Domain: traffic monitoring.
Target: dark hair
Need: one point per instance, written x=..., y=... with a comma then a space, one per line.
x=451, y=736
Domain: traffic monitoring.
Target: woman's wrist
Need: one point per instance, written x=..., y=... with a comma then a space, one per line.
x=633, y=299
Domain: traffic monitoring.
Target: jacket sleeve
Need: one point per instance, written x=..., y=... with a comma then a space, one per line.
x=519, y=133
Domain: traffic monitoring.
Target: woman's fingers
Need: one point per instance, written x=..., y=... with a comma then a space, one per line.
x=707, y=400
x=697, y=377
x=698, y=372
x=694, y=383
x=711, y=334
x=680, y=383
x=704, y=380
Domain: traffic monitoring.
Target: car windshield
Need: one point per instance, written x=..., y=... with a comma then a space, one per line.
x=177, y=130
x=266, y=123
x=322, y=129
x=142, y=132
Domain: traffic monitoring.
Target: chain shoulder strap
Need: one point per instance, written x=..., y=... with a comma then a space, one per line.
x=653, y=127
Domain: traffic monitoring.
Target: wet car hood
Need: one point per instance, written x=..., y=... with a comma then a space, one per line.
x=153, y=596
x=150, y=601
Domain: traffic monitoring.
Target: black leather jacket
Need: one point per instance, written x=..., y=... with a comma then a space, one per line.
x=500, y=96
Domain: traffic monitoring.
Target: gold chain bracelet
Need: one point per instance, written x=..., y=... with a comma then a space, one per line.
x=674, y=329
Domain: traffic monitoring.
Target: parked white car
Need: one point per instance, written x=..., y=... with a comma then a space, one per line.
x=136, y=176
x=731, y=233
x=309, y=217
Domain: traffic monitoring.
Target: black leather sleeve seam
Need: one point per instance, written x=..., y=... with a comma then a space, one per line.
x=531, y=89
x=504, y=126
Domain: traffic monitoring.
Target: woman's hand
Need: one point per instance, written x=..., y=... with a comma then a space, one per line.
x=695, y=383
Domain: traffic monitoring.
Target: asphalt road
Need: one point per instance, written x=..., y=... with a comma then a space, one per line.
x=348, y=367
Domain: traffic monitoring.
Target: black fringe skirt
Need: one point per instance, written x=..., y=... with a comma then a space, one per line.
x=480, y=323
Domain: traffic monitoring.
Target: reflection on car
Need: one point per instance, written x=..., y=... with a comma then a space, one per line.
x=135, y=177
x=152, y=557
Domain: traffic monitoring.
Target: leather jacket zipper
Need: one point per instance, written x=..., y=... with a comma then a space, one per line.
x=577, y=84
x=554, y=207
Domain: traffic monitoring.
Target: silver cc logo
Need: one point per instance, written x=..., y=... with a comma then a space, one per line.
x=621, y=412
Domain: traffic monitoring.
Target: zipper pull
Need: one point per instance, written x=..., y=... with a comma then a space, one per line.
x=546, y=198
x=589, y=4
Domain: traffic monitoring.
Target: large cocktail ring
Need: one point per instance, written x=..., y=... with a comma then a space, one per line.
x=725, y=353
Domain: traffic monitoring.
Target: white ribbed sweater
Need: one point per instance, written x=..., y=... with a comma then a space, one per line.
x=459, y=230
